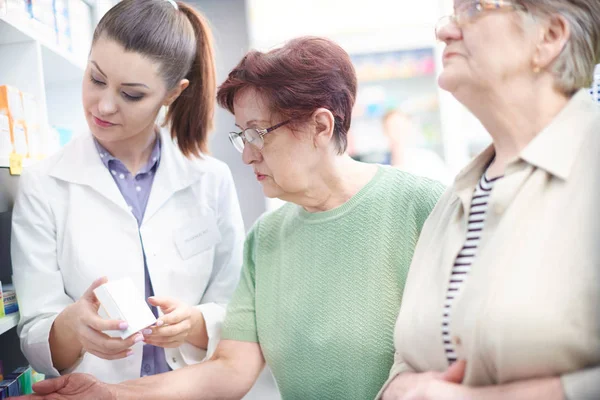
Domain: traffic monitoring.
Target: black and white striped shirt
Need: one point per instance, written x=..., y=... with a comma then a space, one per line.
x=462, y=264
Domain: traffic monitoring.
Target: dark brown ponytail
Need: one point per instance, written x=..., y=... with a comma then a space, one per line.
x=180, y=41
x=191, y=115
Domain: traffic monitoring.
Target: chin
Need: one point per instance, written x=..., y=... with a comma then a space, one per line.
x=272, y=194
x=448, y=82
x=272, y=191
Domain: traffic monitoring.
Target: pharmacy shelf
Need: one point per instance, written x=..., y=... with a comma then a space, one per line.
x=8, y=322
x=59, y=64
x=4, y=162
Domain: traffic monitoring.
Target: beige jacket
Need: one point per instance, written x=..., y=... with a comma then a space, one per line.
x=531, y=304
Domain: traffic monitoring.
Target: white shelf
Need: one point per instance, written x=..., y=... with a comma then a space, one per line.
x=8, y=322
x=64, y=66
x=4, y=163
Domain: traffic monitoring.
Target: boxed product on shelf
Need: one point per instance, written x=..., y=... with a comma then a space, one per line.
x=42, y=11
x=9, y=299
x=1, y=303
x=10, y=102
x=16, y=6
x=17, y=383
x=36, y=377
x=11, y=105
x=31, y=111
x=81, y=27
x=6, y=146
x=63, y=24
x=19, y=134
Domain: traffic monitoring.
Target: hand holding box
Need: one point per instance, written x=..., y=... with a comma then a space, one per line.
x=120, y=300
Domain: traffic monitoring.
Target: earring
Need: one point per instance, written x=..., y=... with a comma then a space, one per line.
x=536, y=69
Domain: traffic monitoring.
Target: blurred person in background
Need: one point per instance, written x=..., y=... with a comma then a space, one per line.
x=323, y=275
x=403, y=134
x=502, y=296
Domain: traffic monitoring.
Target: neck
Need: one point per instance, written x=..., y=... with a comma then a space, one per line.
x=134, y=151
x=397, y=152
x=336, y=182
x=514, y=118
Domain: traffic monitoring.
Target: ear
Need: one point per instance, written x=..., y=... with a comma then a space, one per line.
x=554, y=37
x=174, y=93
x=324, y=123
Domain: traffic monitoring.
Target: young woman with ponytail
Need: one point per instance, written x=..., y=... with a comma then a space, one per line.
x=131, y=199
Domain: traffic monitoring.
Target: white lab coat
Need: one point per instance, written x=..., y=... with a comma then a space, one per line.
x=71, y=226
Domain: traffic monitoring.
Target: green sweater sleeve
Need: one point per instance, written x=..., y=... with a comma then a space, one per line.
x=240, y=322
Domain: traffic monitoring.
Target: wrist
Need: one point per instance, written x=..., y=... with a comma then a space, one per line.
x=198, y=336
x=65, y=322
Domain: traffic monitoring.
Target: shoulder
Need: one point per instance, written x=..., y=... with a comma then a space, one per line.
x=210, y=166
x=41, y=171
x=408, y=185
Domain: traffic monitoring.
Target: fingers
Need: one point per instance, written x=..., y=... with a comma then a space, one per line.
x=89, y=293
x=166, y=304
x=174, y=317
x=170, y=342
x=50, y=385
x=106, y=347
x=171, y=330
x=100, y=324
x=456, y=372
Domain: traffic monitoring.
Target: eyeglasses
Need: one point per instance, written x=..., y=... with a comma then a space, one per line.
x=254, y=136
x=470, y=10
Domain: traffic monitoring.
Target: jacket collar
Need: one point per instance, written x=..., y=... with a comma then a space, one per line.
x=554, y=149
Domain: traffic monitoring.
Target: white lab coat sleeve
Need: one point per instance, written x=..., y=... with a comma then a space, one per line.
x=582, y=384
x=36, y=274
x=226, y=269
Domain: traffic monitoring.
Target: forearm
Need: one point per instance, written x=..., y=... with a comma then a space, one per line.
x=545, y=388
x=212, y=380
x=198, y=336
x=64, y=344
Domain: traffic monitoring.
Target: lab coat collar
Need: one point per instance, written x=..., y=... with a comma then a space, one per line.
x=81, y=164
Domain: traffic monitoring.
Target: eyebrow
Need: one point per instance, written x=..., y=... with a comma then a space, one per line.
x=123, y=84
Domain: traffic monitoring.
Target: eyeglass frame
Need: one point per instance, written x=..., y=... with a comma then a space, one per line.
x=261, y=133
x=480, y=6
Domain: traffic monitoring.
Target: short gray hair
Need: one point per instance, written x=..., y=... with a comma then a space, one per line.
x=574, y=68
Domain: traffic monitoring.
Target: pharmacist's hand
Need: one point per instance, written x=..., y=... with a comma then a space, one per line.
x=72, y=387
x=178, y=325
x=82, y=317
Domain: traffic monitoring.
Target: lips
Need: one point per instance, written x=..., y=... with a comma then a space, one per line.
x=448, y=55
x=102, y=123
x=260, y=177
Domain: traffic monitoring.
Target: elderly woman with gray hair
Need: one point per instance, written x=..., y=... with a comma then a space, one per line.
x=502, y=294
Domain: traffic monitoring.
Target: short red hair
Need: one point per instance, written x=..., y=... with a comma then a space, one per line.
x=306, y=74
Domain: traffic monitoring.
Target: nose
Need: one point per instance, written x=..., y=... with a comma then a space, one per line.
x=251, y=154
x=448, y=30
x=107, y=104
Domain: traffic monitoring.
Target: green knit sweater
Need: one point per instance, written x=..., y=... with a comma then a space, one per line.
x=321, y=291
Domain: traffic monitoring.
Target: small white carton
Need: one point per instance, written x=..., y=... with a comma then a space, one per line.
x=120, y=300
